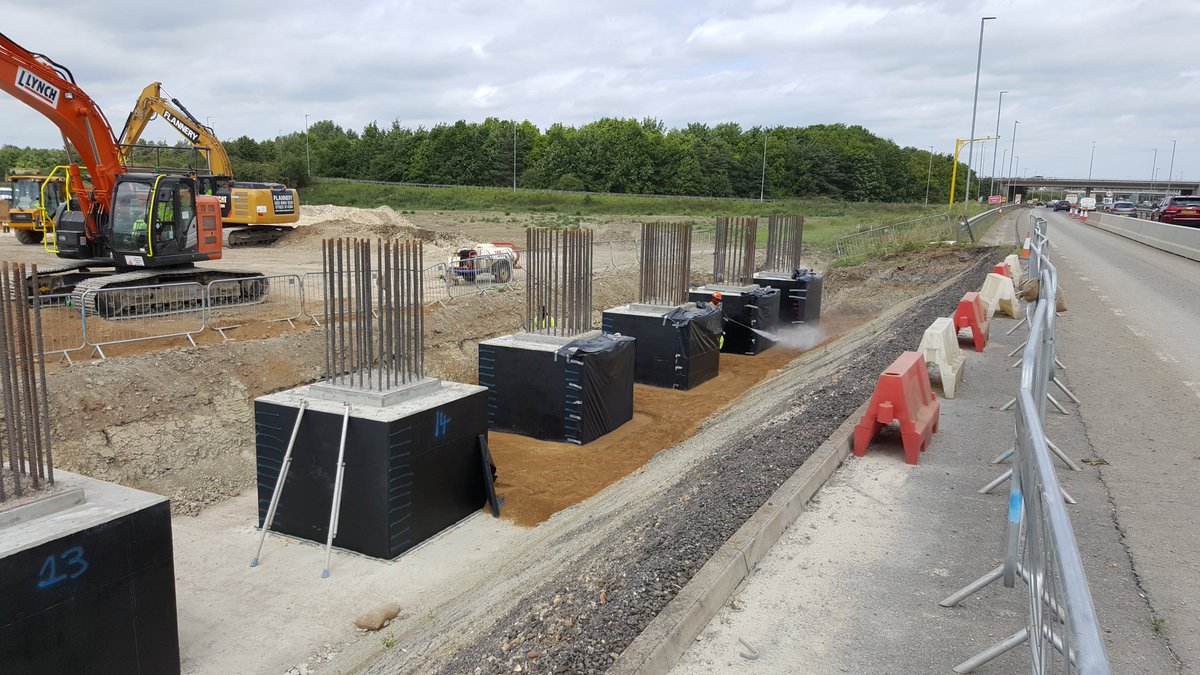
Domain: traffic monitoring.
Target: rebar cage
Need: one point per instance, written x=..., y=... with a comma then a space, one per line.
x=374, y=316
x=733, y=254
x=558, y=288
x=666, y=263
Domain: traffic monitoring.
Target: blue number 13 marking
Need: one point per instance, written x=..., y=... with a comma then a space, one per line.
x=73, y=566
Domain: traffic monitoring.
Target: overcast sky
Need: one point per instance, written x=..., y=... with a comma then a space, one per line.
x=1124, y=74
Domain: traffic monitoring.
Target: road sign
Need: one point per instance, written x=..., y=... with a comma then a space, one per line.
x=994, y=199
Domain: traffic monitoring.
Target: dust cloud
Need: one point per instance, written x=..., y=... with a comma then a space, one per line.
x=801, y=338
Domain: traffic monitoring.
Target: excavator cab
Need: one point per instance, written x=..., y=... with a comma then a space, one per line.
x=159, y=220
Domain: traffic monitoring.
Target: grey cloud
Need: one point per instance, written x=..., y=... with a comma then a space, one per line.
x=1119, y=73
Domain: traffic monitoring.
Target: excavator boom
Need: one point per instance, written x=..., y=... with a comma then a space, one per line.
x=267, y=210
x=150, y=104
x=50, y=89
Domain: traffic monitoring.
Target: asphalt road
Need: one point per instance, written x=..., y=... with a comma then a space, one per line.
x=1135, y=320
x=853, y=585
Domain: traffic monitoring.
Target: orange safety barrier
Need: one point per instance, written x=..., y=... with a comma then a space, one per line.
x=1002, y=268
x=970, y=315
x=903, y=394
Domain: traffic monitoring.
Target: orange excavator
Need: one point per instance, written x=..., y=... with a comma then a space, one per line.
x=126, y=229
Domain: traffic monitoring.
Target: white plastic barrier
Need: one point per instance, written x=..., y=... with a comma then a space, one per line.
x=1014, y=269
x=940, y=347
x=998, y=294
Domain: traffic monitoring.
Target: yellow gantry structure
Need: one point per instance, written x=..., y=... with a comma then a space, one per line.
x=958, y=145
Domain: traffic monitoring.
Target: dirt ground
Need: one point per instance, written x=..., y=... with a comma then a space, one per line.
x=174, y=419
x=540, y=478
x=178, y=420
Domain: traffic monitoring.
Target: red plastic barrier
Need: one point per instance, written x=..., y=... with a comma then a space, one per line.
x=970, y=315
x=903, y=394
x=1002, y=269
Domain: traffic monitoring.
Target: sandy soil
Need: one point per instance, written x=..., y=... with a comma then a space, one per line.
x=540, y=478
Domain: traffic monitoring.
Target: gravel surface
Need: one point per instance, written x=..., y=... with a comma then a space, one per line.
x=581, y=621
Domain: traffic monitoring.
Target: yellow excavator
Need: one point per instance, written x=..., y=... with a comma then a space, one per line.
x=33, y=198
x=253, y=213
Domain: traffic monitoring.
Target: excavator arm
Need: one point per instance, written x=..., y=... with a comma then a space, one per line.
x=153, y=104
x=50, y=89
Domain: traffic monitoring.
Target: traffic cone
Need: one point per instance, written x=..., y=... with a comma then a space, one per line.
x=1027, y=246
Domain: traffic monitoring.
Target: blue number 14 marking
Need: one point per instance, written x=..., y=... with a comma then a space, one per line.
x=441, y=424
x=73, y=565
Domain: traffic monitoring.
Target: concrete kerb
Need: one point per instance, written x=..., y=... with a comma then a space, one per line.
x=667, y=637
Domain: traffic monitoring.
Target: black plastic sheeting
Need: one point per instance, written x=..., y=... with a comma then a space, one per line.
x=576, y=394
x=800, y=300
x=680, y=350
x=101, y=600
x=405, y=480
x=751, y=318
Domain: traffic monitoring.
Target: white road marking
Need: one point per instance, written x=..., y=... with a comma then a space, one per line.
x=1117, y=312
x=1093, y=289
x=1136, y=331
x=1163, y=356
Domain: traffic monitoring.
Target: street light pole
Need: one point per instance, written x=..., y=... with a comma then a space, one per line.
x=1011, y=150
x=1004, y=160
x=1090, y=165
x=1171, y=171
x=996, y=145
x=307, y=154
x=975, y=106
x=1153, y=170
x=928, y=175
x=762, y=188
x=514, y=155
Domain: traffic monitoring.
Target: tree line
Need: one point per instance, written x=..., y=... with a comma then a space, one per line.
x=834, y=161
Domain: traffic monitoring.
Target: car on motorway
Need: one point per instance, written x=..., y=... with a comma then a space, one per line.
x=1062, y=205
x=1178, y=210
x=1124, y=209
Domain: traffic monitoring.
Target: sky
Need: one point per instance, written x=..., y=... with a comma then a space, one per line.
x=1124, y=75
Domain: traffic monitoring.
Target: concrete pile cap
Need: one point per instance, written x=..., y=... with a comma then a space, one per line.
x=939, y=346
x=998, y=293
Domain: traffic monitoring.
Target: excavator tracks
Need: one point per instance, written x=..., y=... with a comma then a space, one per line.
x=236, y=236
x=57, y=278
x=150, y=293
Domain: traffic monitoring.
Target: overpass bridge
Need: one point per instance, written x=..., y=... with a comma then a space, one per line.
x=1128, y=189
